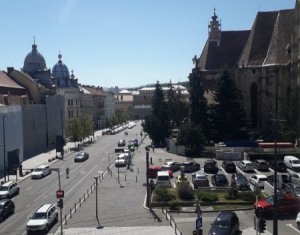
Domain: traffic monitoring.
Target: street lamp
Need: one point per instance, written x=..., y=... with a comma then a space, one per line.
x=96, y=179
x=147, y=176
x=4, y=152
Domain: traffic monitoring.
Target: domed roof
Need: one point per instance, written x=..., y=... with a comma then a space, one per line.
x=34, y=61
x=60, y=70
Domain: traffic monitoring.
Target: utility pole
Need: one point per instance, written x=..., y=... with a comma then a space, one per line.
x=4, y=151
x=147, y=177
x=96, y=179
x=199, y=218
x=59, y=186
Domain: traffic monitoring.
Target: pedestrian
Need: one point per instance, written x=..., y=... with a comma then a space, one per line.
x=153, y=147
x=67, y=172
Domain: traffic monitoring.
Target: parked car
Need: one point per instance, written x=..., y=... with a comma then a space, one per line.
x=292, y=162
x=258, y=180
x=246, y=166
x=40, y=171
x=295, y=178
x=219, y=180
x=121, y=143
x=152, y=172
x=190, y=166
x=163, y=179
x=81, y=157
x=287, y=204
x=298, y=220
x=171, y=165
x=199, y=180
x=261, y=165
x=181, y=179
x=229, y=166
x=226, y=223
x=210, y=166
x=7, y=208
x=292, y=188
x=42, y=219
x=281, y=167
x=9, y=189
x=120, y=162
x=240, y=181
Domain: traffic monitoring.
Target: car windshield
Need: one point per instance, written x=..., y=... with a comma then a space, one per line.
x=3, y=188
x=296, y=161
x=201, y=177
x=270, y=199
x=224, y=224
x=38, y=170
x=241, y=178
x=221, y=177
x=263, y=179
x=39, y=215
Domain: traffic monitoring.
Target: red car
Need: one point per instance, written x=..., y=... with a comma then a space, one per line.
x=286, y=204
x=152, y=172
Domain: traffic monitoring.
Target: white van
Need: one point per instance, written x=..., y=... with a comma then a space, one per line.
x=163, y=179
x=292, y=162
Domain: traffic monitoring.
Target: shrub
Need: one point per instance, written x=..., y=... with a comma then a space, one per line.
x=185, y=192
x=247, y=196
x=173, y=205
x=162, y=194
x=208, y=197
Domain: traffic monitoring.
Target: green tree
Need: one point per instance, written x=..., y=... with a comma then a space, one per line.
x=227, y=115
x=74, y=130
x=86, y=127
x=157, y=123
x=177, y=107
x=198, y=103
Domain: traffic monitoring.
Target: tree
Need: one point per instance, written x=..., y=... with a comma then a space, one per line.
x=198, y=103
x=157, y=123
x=79, y=128
x=177, y=107
x=227, y=115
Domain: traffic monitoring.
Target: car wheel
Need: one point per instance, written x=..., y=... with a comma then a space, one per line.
x=1, y=218
x=56, y=219
x=298, y=225
x=47, y=228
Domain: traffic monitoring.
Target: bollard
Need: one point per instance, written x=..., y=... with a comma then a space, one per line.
x=151, y=161
x=102, y=176
x=70, y=213
x=65, y=219
x=125, y=177
x=75, y=206
x=136, y=178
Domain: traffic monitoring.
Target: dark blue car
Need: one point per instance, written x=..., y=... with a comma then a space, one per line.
x=227, y=223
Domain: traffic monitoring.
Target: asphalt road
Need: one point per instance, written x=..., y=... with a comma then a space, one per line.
x=34, y=193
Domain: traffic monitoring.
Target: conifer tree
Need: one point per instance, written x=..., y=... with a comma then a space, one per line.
x=228, y=118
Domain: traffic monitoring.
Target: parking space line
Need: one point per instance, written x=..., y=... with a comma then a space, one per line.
x=291, y=226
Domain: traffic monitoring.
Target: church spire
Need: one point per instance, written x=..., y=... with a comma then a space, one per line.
x=214, y=29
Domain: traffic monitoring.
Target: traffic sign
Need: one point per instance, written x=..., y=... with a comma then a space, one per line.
x=198, y=222
x=60, y=193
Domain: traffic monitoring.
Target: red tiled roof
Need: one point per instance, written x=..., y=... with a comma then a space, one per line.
x=6, y=81
x=94, y=90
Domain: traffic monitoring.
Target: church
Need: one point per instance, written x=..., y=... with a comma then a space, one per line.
x=264, y=63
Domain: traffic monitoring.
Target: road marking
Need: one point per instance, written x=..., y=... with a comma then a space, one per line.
x=291, y=226
x=29, y=188
x=43, y=194
x=75, y=185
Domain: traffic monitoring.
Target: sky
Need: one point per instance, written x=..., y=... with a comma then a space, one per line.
x=124, y=43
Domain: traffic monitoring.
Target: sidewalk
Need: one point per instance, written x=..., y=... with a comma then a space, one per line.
x=43, y=158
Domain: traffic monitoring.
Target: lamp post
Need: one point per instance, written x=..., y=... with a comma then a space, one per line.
x=4, y=151
x=96, y=179
x=147, y=176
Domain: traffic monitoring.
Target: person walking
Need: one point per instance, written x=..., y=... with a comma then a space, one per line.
x=67, y=172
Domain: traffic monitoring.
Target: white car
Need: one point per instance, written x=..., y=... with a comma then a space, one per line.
x=258, y=180
x=8, y=189
x=298, y=221
x=292, y=162
x=40, y=171
x=121, y=160
x=246, y=166
x=42, y=219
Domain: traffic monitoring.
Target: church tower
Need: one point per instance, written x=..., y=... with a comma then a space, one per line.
x=214, y=29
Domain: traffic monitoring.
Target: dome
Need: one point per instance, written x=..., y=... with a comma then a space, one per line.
x=60, y=70
x=34, y=61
